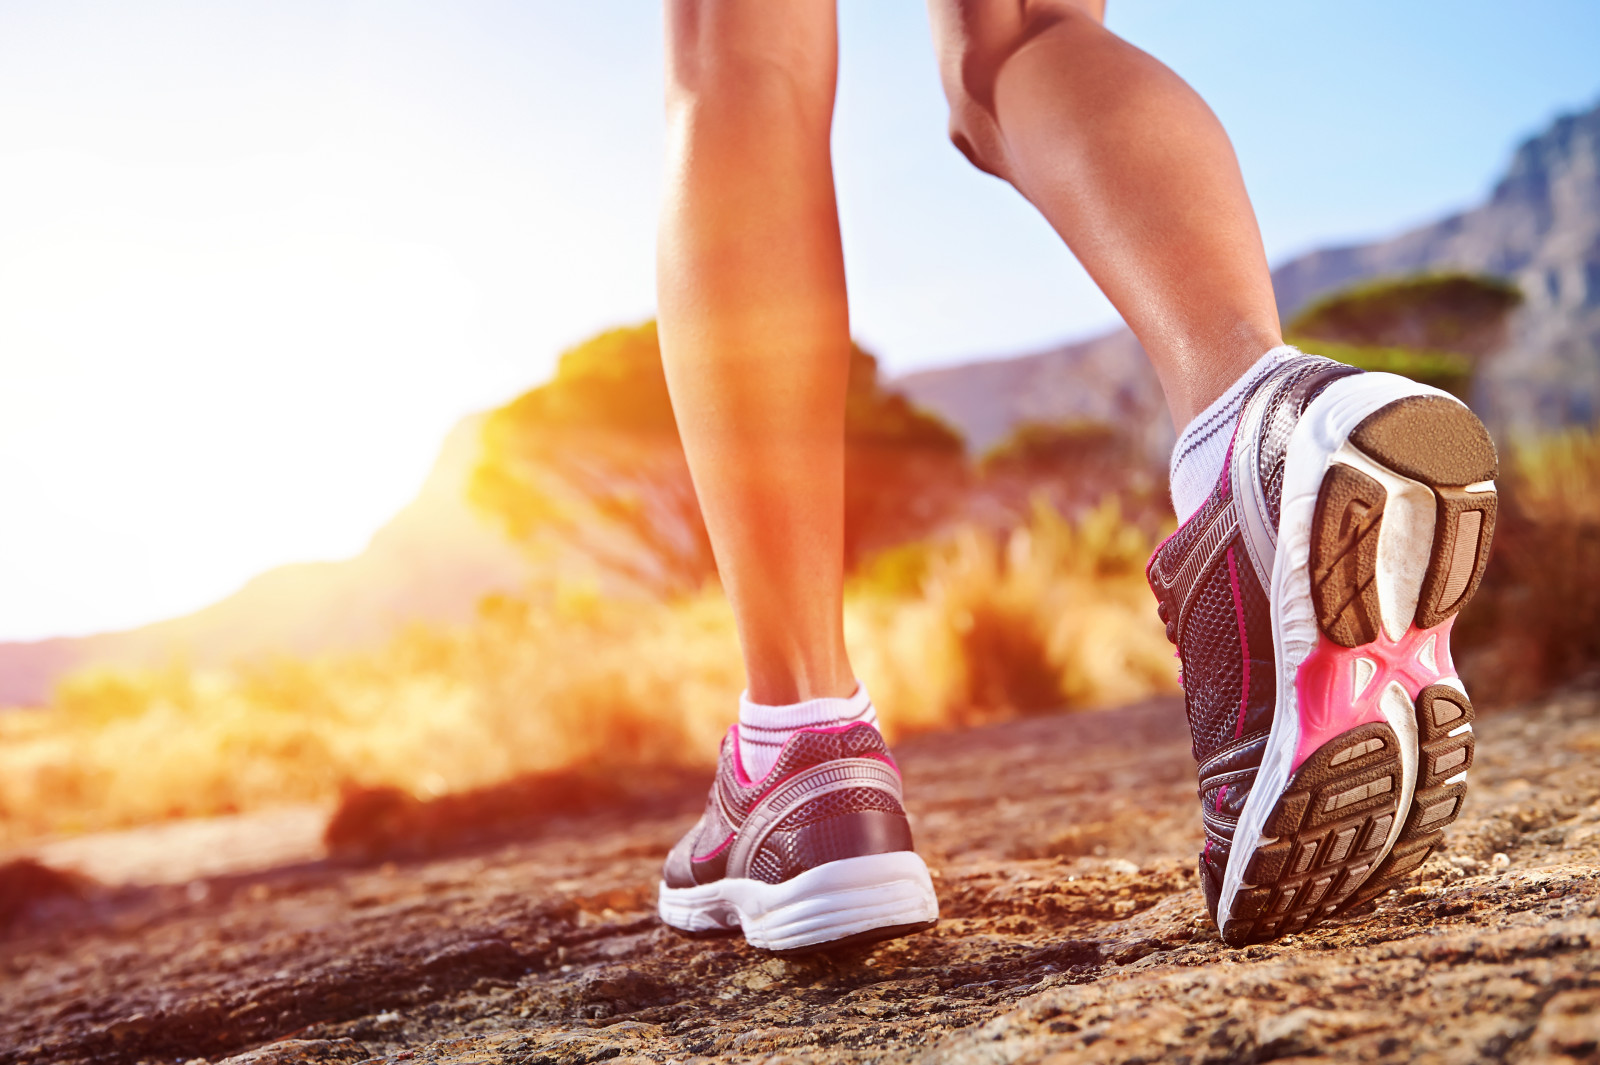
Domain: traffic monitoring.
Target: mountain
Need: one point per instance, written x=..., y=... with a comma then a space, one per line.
x=1105, y=379
x=1540, y=228
x=432, y=562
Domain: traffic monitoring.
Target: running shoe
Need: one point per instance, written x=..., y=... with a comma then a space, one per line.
x=815, y=854
x=1311, y=599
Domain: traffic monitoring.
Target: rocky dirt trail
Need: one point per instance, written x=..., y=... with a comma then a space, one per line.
x=1073, y=931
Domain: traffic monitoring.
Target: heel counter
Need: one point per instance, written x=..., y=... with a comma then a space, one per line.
x=791, y=850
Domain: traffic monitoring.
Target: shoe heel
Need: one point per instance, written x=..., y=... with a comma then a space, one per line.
x=842, y=903
x=1425, y=465
x=1442, y=444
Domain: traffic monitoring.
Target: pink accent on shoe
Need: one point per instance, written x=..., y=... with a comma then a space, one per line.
x=1325, y=686
x=1244, y=645
x=720, y=848
x=738, y=760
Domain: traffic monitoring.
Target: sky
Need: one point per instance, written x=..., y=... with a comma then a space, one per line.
x=256, y=259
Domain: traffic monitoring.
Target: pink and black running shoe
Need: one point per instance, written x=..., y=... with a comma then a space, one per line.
x=815, y=854
x=1311, y=600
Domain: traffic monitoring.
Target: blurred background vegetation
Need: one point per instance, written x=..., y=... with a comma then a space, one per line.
x=980, y=588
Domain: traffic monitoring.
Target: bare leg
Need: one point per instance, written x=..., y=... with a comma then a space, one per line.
x=754, y=328
x=1130, y=167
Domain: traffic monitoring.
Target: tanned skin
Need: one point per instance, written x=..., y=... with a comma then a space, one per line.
x=1123, y=159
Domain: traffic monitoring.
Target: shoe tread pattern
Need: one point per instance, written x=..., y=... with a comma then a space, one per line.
x=1441, y=710
x=1326, y=832
x=1344, y=556
x=1443, y=445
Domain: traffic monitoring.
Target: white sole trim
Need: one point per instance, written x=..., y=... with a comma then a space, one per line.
x=831, y=902
x=1323, y=430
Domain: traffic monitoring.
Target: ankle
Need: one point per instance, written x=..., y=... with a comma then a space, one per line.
x=1202, y=382
x=789, y=684
x=764, y=729
x=1201, y=451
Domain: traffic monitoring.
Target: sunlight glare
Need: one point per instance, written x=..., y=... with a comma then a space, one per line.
x=210, y=368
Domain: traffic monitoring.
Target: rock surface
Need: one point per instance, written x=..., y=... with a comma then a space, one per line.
x=1073, y=931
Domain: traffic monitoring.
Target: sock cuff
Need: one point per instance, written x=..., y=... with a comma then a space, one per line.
x=757, y=718
x=1201, y=447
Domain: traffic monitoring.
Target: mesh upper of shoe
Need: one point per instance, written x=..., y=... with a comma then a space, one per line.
x=787, y=850
x=1292, y=390
x=1213, y=673
x=804, y=750
x=833, y=804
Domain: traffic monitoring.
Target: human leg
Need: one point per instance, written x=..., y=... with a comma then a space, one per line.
x=1129, y=166
x=804, y=841
x=1311, y=589
x=755, y=332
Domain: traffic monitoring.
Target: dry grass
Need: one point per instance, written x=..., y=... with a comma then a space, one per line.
x=974, y=627
x=1536, y=620
x=1557, y=477
x=984, y=626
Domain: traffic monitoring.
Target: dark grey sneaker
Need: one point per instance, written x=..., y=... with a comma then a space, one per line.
x=1311, y=599
x=815, y=854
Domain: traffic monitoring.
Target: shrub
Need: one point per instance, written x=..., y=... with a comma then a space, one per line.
x=1536, y=620
x=1434, y=312
x=976, y=626
x=1051, y=615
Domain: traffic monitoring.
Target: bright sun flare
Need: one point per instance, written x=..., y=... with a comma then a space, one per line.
x=208, y=369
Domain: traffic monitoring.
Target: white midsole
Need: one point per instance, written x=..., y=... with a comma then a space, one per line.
x=832, y=901
x=1323, y=430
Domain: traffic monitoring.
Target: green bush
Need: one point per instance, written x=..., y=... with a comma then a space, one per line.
x=1441, y=369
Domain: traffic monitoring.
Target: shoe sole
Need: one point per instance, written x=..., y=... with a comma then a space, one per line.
x=1389, y=511
x=841, y=903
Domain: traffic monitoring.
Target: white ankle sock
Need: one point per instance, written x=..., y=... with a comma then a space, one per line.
x=1202, y=447
x=763, y=730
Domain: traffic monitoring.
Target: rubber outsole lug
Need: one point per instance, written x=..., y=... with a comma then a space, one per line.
x=1465, y=531
x=1441, y=710
x=1442, y=444
x=1331, y=822
x=1344, y=556
x=1429, y=438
